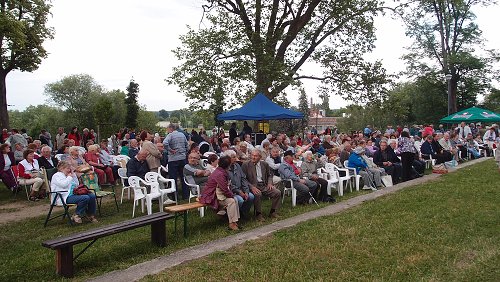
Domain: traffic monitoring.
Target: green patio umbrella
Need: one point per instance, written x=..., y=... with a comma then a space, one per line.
x=473, y=114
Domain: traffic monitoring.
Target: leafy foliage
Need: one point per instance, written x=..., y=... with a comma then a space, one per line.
x=259, y=46
x=132, y=105
x=23, y=30
x=448, y=41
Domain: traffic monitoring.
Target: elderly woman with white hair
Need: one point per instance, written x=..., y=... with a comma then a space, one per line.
x=309, y=169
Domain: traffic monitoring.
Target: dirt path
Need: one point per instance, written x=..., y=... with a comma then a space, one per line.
x=22, y=209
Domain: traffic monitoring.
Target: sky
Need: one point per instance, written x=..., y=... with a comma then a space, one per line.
x=116, y=40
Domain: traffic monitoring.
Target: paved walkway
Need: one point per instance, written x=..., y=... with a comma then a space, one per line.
x=160, y=264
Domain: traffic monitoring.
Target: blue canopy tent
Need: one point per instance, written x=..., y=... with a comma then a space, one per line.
x=260, y=108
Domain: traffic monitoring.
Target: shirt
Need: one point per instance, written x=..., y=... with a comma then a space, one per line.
x=176, y=145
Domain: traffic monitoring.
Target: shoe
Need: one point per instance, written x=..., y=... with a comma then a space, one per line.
x=233, y=226
x=260, y=218
x=366, y=187
x=93, y=219
x=76, y=219
x=373, y=188
x=221, y=212
x=169, y=202
x=33, y=199
x=274, y=215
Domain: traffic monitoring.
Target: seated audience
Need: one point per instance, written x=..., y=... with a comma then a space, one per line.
x=46, y=160
x=102, y=170
x=260, y=180
x=64, y=182
x=274, y=162
x=288, y=171
x=239, y=185
x=387, y=159
x=195, y=173
x=137, y=166
x=6, y=162
x=213, y=162
x=370, y=176
x=218, y=195
x=309, y=169
x=29, y=174
x=133, y=148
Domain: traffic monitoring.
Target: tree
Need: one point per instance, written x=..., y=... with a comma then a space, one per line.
x=259, y=46
x=23, y=30
x=448, y=41
x=77, y=95
x=492, y=101
x=146, y=120
x=304, y=109
x=132, y=105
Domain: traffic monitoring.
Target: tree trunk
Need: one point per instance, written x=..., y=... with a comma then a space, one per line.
x=4, y=114
x=454, y=86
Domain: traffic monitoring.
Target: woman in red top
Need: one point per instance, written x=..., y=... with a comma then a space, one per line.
x=75, y=136
x=29, y=174
x=92, y=158
x=6, y=162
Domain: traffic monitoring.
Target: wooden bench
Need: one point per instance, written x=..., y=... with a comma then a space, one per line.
x=64, y=245
x=183, y=209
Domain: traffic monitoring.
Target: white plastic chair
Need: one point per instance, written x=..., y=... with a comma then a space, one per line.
x=346, y=178
x=58, y=156
x=140, y=193
x=118, y=158
x=332, y=176
x=353, y=174
x=157, y=178
x=292, y=189
x=191, y=195
x=122, y=173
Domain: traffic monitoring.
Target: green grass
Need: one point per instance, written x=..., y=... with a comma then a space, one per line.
x=24, y=258
x=444, y=230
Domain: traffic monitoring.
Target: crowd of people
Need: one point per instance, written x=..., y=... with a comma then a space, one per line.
x=232, y=171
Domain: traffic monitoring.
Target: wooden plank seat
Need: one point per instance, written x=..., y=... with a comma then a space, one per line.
x=64, y=245
x=183, y=209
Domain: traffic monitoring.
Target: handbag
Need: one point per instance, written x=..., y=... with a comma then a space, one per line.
x=439, y=169
x=81, y=190
x=83, y=168
x=387, y=180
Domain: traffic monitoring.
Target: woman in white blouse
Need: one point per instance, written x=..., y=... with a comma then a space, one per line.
x=64, y=181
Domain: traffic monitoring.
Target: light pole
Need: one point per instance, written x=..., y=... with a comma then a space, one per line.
x=450, y=104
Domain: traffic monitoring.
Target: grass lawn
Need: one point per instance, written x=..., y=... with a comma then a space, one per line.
x=23, y=258
x=445, y=230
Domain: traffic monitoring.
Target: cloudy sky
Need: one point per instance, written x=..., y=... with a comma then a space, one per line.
x=115, y=40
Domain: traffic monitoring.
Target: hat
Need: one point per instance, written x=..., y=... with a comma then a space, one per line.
x=359, y=150
x=288, y=153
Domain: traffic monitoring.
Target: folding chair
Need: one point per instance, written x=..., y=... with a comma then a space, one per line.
x=90, y=180
x=27, y=187
x=57, y=200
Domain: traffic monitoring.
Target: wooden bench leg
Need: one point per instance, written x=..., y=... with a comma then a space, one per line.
x=64, y=261
x=159, y=233
x=185, y=223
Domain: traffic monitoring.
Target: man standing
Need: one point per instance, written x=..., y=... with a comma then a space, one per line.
x=260, y=179
x=177, y=146
x=60, y=136
x=288, y=171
